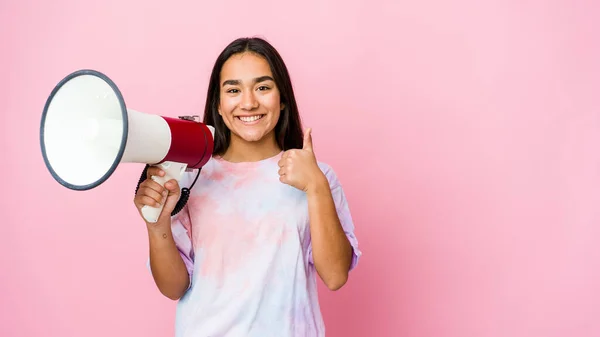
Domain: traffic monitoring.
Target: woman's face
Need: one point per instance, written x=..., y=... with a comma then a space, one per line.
x=249, y=99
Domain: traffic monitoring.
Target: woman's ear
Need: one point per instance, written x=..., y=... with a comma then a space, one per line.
x=282, y=106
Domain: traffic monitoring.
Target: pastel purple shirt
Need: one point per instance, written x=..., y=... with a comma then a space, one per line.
x=245, y=239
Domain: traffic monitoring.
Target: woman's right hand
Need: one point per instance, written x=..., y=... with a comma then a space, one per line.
x=152, y=194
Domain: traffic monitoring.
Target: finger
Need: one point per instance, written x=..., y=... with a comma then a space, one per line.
x=308, y=140
x=148, y=192
x=154, y=171
x=288, y=154
x=284, y=179
x=173, y=197
x=145, y=200
x=149, y=197
x=172, y=186
x=281, y=171
x=149, y=183
x=280, y=163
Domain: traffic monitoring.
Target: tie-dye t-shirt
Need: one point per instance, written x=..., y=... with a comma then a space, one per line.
x=245, y=239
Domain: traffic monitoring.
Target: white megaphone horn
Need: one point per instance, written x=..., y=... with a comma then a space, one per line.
x=87, y=131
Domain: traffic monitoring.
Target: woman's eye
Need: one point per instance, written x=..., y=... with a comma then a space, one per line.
x=232, y=91
x=263, y=88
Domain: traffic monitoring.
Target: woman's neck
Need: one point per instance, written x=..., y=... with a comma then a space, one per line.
x=242, y=151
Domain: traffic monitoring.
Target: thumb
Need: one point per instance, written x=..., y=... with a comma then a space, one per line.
x=308, y=140
x=173, y=189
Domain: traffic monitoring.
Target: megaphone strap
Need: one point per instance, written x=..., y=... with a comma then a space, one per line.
x=185, y=192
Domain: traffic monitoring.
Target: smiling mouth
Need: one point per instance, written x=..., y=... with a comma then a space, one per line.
x=250, y=119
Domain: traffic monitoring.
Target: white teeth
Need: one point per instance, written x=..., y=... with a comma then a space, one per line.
x=249, y=118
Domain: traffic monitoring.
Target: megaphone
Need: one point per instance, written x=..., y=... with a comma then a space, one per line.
x=87, y=131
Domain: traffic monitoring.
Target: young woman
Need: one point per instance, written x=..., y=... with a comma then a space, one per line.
x=263, y=218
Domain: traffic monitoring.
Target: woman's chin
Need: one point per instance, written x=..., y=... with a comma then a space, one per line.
x=252, y=137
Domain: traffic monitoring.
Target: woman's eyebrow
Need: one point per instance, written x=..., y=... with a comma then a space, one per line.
x=256, y=80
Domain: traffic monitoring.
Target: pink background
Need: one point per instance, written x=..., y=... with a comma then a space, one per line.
x=466, y=134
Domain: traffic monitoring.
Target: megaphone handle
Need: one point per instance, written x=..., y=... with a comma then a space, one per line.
x=172, y=170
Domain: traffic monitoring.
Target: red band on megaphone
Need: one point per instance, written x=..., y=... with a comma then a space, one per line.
x=210, y=145
x=191, y=142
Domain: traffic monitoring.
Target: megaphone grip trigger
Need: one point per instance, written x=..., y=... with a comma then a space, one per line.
x=172, y=171
x=185, y=192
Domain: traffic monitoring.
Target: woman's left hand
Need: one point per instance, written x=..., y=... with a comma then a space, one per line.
x=299, y=168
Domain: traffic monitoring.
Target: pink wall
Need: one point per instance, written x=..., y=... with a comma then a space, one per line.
x=480, y=219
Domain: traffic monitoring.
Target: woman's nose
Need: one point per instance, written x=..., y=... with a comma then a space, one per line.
x=249, y=102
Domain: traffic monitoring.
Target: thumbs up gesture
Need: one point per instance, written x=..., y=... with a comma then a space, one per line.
x=299, y=168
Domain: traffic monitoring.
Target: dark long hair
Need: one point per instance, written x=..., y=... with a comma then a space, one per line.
x=288, y=131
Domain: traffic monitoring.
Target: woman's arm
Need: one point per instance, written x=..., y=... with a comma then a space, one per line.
x=166, y=264
x=331, y=249
x=168, y=269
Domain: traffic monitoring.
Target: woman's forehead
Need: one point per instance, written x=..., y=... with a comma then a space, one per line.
x=245, y=67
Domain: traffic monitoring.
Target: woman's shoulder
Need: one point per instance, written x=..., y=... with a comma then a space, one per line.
x=329, y=173
x=325, y=167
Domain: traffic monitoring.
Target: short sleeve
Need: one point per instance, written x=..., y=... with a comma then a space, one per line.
x=181, y=228
x=343, y=212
